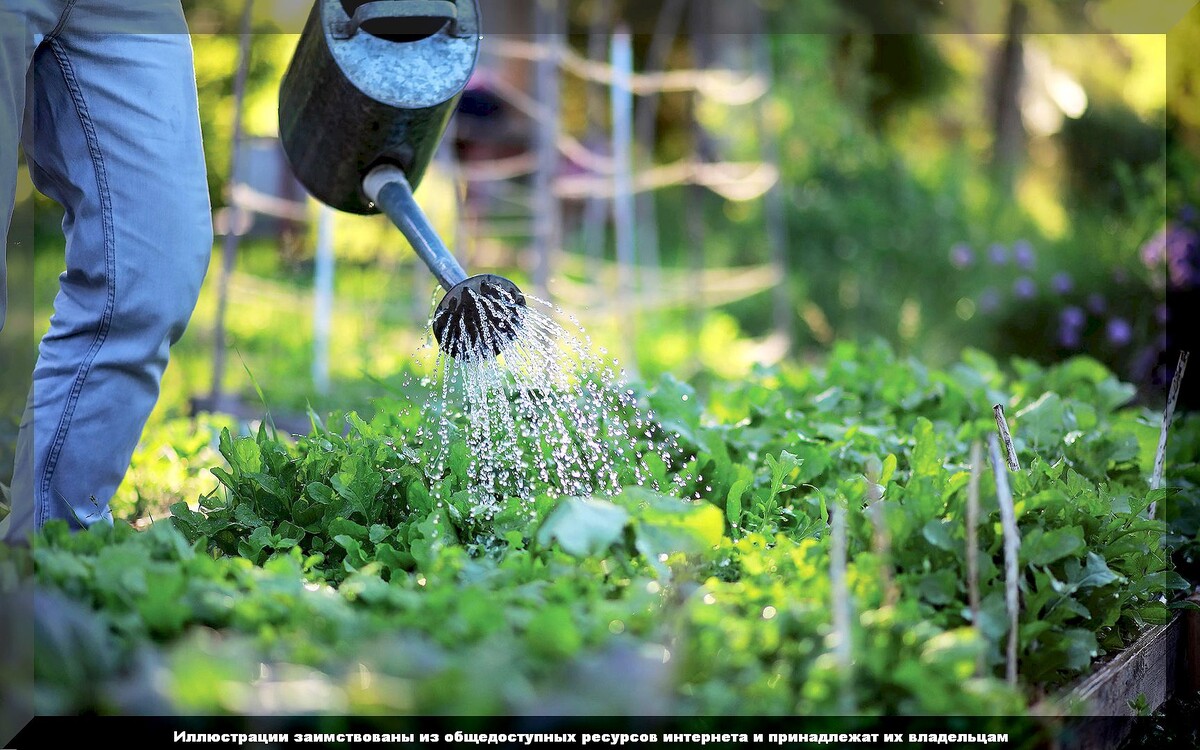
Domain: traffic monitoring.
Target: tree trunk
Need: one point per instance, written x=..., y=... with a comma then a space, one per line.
x=1008, y=145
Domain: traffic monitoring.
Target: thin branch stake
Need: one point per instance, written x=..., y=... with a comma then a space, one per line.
x=1006, y=436
x=841, y=599
x=1160, y=457
x=1012, y=544
x=973, y=542
x=883, y=548
x=881, y=538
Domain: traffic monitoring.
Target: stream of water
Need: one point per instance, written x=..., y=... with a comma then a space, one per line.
x=547, y=414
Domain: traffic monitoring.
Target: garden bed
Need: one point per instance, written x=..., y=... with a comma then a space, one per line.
x=824, y=566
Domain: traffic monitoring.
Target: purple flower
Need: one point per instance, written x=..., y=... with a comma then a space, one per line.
x=998, y=254
x=1177, y=245
x=1072, y=317
x=1069, y=338
x=1062, y=282
x=1096, y=303
x=1143, y=365
x=1023, y=254
x=1160, y=314
x=1187, y=214
x=989, y=300
x=1182, y=261
x=1119, y=331
x=1155, y=249
x=961, y=255
x=1024, y=288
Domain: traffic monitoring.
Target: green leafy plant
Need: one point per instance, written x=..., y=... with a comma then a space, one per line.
x=342, y=554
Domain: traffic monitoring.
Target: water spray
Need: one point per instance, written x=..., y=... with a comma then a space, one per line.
x=362, y=107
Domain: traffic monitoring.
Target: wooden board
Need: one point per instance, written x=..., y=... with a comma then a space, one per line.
x=1096, y=711
x=1191, y=675
x=1149, y=668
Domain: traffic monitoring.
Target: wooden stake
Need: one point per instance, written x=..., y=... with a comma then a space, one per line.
x=1012, y=545
x=624, y=216
x=1160, y=457
x=841, y=598
x=783, y=309
x=881, y=538
x=700, y=42
x=973, y=542
x=883, y=548
x=323, y=300
x=233, y=211
x=549, y=22
x=595, y=212
x=666, y=29
x=1006, y=436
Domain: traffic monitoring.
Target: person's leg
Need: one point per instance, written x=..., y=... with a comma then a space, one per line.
x=116, y=141
x=23, y=25
x=18, y=37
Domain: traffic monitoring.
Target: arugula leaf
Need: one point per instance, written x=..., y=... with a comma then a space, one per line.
x=584, y=527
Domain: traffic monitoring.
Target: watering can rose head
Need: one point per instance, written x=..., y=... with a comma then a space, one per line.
x=478, y=317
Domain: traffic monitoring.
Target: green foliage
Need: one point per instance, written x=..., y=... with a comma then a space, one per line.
x=584, y=526
x=1104, y=146
x=341, y=555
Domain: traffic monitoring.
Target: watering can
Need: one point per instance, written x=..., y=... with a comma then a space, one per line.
x=362, y=107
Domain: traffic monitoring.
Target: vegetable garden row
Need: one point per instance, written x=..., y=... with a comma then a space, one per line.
x=323, y=575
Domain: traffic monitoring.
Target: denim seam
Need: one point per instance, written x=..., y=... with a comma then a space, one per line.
x=62, y=20
x=93, y=143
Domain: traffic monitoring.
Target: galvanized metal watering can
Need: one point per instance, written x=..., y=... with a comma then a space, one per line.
x=362, y=107
x=373, y=83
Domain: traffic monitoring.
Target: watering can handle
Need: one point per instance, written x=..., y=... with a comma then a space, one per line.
x=385, y=10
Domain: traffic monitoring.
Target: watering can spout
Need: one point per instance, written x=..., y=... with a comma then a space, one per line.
x=479, y=315
x=388, y=189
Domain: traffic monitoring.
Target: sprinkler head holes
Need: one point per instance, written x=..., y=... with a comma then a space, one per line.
x=478, y=317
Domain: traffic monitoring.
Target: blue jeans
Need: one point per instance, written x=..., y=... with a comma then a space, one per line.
x=102, y=96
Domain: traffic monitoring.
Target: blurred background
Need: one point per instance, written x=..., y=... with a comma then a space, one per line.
x=709, y=187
